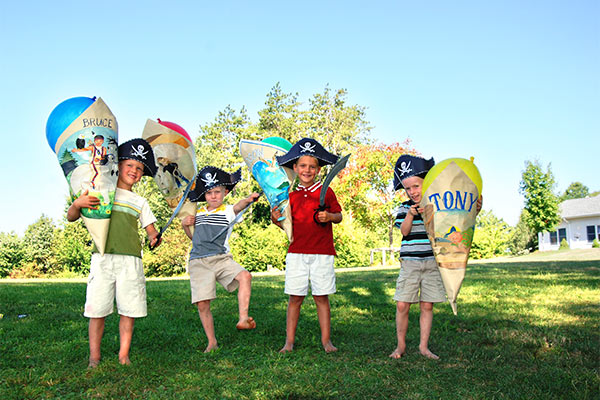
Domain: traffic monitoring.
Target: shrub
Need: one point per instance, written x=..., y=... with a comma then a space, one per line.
x=11, y=253
x=256, y=246
x=564, y=244
x=595, y=244
x=353, y=244
x=171, y=257
x=38, y=241
x=72, y=249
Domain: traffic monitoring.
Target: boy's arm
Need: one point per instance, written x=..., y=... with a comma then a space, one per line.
x=186, y=223
x=240, y=205
x=479, y=203
x=83, y=201
x=152, y=235
x=406, y=225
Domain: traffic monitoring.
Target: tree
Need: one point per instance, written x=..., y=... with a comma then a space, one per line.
x=492, y=236
x=366, y=186
x=11, y=252
x=523, y=238
x=72, y=248
x=540, y=201
x=576, y=190
x=38, y=240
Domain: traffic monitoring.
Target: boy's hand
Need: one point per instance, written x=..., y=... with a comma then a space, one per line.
x=86, y=201
x=155, y=242
x=323, y=216
x=415, y=210
x=275, y=215
x=188, y=221
x=253, y=197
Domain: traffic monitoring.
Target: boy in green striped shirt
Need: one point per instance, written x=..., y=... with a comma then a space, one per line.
x=119, y=273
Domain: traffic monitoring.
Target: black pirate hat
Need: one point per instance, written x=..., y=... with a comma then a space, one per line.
x=307, y=147
x=408, y=165
x=139, y=150
x=210, y=177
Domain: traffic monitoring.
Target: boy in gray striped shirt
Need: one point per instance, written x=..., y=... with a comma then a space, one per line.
x=419, y=280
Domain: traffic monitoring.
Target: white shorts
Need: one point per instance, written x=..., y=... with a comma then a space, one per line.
x=116, y=276
x=316, y=268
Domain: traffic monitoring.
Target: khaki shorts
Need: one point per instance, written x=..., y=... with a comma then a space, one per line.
x=115, y=276
x=300, y=269
x=419, y=280
x=205, y=272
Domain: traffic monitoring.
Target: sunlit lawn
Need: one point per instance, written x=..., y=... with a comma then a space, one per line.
x=525, y=330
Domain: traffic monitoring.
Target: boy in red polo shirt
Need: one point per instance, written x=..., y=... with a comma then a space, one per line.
x=311, y=254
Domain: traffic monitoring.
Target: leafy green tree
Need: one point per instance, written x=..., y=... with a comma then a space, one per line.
x=540, y=201
x=12, y=252
x=339, y=127
x=492, y=236
x=72, y=248
x=523, y=238
x=366, y=187
x=576, y=190
x=38, y=240
x=281, y=116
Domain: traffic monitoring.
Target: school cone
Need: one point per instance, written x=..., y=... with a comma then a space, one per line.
x=451, y=189
x=83, y=133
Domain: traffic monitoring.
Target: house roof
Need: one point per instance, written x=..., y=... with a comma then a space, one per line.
x=579, y=208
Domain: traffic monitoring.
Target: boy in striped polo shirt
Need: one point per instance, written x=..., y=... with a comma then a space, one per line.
x=419, y=280
x=210, y=258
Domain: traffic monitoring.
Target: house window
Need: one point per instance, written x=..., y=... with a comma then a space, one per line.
x=562, y=234
x=553, y=237
x=591, y=233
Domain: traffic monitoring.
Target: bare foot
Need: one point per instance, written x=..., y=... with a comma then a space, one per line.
x=427, y=353
x=329, y=347
x=397, y=353
x=93, y=363
x=124, y=361
x=211, y=347
x=248, y=323
x=288, y=348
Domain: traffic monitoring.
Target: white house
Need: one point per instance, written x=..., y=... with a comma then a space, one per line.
x=580, y=225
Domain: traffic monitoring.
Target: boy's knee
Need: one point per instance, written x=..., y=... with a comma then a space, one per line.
x=296, y=300
x=402, y=307
x=203, y=305
x=426, y=306
x=244, y=276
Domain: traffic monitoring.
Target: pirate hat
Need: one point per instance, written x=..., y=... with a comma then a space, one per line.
x=139, y=150
x=307, y=147
x=210, y=177
x=408, y=165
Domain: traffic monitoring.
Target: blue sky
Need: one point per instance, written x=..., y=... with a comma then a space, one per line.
x=503, y=81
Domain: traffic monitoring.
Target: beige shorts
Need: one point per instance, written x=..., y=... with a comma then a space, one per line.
x=300, y=269
x=115, y=276
x=205, y=272
x=419, y=280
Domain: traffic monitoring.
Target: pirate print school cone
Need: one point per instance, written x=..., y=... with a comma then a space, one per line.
x=274, y=180
x=450, y=193
x=176, y=161
x=83, y=133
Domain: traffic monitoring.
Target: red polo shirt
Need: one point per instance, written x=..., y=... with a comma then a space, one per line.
x=309, y=236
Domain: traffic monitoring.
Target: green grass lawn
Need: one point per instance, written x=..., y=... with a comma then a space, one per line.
x=525, y=330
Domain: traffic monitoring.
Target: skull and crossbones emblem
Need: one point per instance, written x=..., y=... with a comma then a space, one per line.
x=307, y=148
x=139, y=151
x=405, y=168
x=210, y=180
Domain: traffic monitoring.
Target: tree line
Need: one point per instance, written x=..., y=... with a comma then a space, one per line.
x=364, y=189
